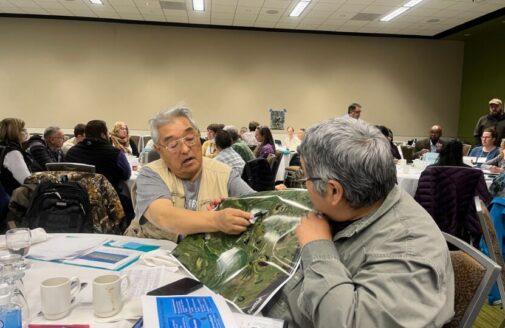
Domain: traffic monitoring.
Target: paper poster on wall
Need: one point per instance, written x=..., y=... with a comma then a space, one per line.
x=277, y=119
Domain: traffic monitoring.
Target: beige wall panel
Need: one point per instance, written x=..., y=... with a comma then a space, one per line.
x=61, y=72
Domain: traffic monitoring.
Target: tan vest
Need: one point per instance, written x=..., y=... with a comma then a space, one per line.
x=213, y=184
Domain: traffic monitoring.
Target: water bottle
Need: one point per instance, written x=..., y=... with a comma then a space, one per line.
x=10, y=313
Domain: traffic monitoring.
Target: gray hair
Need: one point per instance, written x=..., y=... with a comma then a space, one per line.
x=168, y=116
x=232, y=130
x=355, y=154
x=48, y=132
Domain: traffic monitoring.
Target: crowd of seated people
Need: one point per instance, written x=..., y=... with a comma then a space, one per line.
x=175, y=193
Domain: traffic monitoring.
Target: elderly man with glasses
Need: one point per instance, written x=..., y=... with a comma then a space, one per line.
x=174, y=192
x=370, y=255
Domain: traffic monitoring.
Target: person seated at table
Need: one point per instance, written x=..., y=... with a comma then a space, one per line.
x=371, y=256
x=47, y=149
x=432, y=144
x=209, y=146
x=451, y=154
x=174, y=192
x=266, y=142
x=497, y=164
x=389, y=135
x=78, y=137
x=226, y=154
x=291, y=141
x=120, y=138
x=14, y=161
x=488, y=150
x=239, y=145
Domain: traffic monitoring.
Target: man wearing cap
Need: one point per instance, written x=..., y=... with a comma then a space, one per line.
x=494, y=119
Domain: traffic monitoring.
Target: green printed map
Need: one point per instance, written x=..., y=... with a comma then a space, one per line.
x=248, y=269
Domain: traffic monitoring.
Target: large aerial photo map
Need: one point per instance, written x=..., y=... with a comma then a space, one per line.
x=248, y=269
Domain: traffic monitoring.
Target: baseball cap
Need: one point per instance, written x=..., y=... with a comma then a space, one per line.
x=495, y=101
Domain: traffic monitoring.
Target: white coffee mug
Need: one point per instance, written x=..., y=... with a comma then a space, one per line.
x=57, y=295
x=107, y=295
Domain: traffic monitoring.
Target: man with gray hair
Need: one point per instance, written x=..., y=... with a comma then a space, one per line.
x=46, y=150
x=174, y=193
x=371, y=256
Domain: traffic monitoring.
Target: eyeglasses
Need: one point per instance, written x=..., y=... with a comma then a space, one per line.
x=303, y=181
x=175, y=145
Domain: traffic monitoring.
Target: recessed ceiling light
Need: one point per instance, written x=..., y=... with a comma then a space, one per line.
x=272, y=11
x=199, y=5
x=412, y=3
x=433, y=20
x=96, y=2
x=300, y=6
x=393, y=14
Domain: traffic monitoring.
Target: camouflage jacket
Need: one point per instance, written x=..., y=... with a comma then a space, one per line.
x=106, y=209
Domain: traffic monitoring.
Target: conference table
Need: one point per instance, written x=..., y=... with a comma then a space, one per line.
x=408, y=178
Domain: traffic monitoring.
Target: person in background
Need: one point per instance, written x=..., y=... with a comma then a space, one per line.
x=354, y=111
x=239, y=145
x=266, y=142
x=389, y=135
x=371, y=256
x=495, y=119
x=433, y=144
x=78, y=137
x=300, y=134
x=209, y=146
x=120, y=137
x=451, y=154
x=242, y=131
x=14, y=161
x=46, y=150
x=174, y=192
x=497, y=164
x=226, y=154
x=488, y=150
x=250, y=136
x=291, y=142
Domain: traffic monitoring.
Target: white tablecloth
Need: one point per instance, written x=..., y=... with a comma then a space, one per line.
x=82, y=313
x=409, y=178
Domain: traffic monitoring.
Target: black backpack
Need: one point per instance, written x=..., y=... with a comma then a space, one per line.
x=59, y=207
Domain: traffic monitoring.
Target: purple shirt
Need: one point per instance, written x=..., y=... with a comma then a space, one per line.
x=266, y=150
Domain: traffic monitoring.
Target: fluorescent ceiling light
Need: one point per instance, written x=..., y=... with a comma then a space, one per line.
x=297, y=11
x=412, y=3
x=96, y=2
x=393, y=14
x=198, y=5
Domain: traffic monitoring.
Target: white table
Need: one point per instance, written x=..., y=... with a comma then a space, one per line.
x=82, y=313
x=408, y=179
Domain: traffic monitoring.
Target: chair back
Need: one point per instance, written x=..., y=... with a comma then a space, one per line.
x=493, y=249
x=258, y=175
x=474, y=275
x=138, y=142
x=68, y=166
x=152, y=156
x=407, y=153
x=447, y=194
x=466, y=149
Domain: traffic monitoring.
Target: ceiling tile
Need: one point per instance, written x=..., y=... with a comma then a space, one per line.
x=279, y=4
x=155, y=18
x=225, y=2
x=223, y=8
x=60, y=12
x=25, y=4
x=126, y=10
x=222, y=16
x=307, y=26
x=322, y=15
x=83, y=13
x=251, y=3
x=322, y=6
x=436, y=4
x=490, y=7
x=131, y=16
x=147, y=3
x=224, y=22
x=423, y=11
x=376, y=9
x=175, y=14
x=351, y=8
x=394, y=3
x=199, y=20
x=247, y=10
x=286, y=25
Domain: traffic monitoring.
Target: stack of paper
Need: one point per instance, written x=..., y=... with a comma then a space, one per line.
x=65, y=247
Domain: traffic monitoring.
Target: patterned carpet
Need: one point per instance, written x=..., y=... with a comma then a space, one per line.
x=490, y=317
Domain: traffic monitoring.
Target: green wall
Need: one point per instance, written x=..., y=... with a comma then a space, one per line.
x=483, y=72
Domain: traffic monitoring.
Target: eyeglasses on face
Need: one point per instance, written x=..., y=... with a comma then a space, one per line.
x=303, y=181
x=174, y=146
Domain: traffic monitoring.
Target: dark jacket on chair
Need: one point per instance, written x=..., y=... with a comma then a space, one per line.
x=447, y=194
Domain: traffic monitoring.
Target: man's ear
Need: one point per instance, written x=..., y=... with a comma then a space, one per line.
x=334, y=192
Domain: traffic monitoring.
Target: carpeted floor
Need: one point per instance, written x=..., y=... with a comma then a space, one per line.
x=490, y=317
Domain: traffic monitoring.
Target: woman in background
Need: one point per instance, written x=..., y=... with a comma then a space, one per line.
x=266, y=142
x=14, y=161
x=120, y=137
x=497, y=164
x=389, y=135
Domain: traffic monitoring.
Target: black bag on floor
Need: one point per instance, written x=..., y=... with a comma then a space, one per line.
x=60, y=207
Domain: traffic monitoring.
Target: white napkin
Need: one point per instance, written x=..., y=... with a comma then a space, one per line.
x=160, y=257
x=38, y=235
